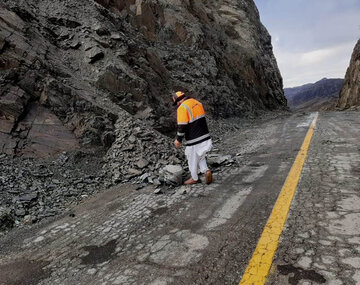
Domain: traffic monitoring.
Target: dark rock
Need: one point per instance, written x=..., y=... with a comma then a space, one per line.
x=63, y=22
x=75, y=45
x=102, y=31
x=218, y=159
x=350, y=93
x=145, y=178
x=94, y=54
x=12, y=106
x=7, y=220
x=108, y=138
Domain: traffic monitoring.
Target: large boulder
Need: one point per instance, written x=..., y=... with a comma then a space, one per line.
x=172, y=174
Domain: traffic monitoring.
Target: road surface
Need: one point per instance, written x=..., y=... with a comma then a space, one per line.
x=207, y=234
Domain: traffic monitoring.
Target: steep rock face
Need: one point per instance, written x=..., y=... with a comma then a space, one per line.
x=316, y=96
x=217, y=50
x=90, y=64
x=350, y=93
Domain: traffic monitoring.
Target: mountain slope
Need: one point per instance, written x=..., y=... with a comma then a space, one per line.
x=91, y=65
x=350, y=93
x=316, y=96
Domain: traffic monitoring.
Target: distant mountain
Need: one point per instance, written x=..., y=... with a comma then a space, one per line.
x=350, y=93
x=314, y=96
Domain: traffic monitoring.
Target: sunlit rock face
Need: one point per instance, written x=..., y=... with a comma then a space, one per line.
x=350, y=93
x=85, y=64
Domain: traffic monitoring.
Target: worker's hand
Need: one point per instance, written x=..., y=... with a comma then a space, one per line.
x=177, y=144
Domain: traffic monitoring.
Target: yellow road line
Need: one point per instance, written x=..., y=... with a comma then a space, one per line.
x=261, y=260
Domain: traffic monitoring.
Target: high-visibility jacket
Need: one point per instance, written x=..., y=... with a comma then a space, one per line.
x=192, y=123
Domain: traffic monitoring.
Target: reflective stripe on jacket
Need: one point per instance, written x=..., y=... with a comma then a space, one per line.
x=192, y=123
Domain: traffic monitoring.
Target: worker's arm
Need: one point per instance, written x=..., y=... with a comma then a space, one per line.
x=180, y=132
x=182, y=121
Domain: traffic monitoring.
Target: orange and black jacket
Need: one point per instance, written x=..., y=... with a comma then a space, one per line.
x=192, y=123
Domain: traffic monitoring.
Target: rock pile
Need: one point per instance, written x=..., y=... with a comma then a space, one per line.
x=139, y=151
x=31, y=190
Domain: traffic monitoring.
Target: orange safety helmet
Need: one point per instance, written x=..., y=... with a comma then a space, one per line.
x=178, y=96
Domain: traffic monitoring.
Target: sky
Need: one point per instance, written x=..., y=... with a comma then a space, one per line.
x=312, y=39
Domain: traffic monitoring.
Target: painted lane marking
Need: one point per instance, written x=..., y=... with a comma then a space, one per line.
x=233, y=203
x=256, y=174
x=225, y=213
x=261, y=260
x=307, y=122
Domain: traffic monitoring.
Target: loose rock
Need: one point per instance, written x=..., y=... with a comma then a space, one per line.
x=172, y=174
x=7, y=220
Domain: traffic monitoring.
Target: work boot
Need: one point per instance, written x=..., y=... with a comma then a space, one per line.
x=208, y=177
x=192, y=181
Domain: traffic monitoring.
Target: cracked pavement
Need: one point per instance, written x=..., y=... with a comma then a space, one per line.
x=321, y=240
x=205, y=234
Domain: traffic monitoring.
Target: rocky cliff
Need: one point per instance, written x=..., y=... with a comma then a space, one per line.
x=69, y=70
x=350, y=93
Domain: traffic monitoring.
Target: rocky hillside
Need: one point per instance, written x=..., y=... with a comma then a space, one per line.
x=350, y=93
x=86, y=65
x=316, y=96
x=85, y=90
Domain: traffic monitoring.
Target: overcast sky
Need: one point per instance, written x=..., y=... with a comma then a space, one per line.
x=312, y=39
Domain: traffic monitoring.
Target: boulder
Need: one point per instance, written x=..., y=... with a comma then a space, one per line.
x=218, y=159
x=172, y=174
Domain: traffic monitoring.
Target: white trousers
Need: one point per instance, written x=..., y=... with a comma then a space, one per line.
x=196, y=157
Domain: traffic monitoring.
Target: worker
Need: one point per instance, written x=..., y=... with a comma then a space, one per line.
x=192, y=125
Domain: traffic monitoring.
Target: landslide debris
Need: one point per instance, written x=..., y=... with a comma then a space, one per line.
x=85, y=89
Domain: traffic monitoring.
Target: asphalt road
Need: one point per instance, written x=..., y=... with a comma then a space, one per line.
x=207, y=234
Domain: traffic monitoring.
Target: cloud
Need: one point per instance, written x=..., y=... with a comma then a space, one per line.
x=305, y=67
x=312, y=39
x=326, y=54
